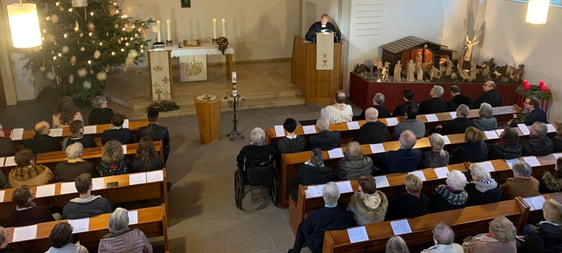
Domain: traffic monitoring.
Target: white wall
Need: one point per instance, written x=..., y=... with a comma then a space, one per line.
x=512, y=41
x=256, y=29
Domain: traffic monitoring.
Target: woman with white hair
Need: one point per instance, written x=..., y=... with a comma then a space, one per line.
x=486, y=121
x=437, y=157
x=121, y=239
x=483, y=189
x=452, y=195
x=257, y=149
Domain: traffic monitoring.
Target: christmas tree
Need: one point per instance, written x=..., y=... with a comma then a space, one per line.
x=83, y=40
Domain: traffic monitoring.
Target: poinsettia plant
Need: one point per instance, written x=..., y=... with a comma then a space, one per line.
x=222, y=43
x=539, y=91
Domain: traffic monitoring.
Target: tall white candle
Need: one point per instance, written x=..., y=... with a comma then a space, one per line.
x=158, y=31
x=223, y=21
x=214, y=28
x=168, y=30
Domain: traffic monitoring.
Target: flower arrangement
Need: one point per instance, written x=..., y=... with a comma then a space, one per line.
x=222, y=43
x=539, y=91
x=163, y=106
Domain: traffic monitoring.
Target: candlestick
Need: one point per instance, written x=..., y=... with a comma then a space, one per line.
x=168, y=30
x=223, y=21
x=158, y=31
x=214, y=28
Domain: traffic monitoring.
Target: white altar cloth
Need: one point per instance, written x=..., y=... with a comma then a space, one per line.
x=203, y=49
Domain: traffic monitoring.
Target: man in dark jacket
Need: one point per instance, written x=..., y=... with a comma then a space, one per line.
x=330, y=217
x=435, y=104
x=538, y=143
x=325, y=139
x=373, y=131
x=400, y=110
x=405, y=159
x=378, y=100
x=155, y=132
x=312, y=172
x=321, y=26
x=490, y=96
x=532, y=112
x=41, y=141
x=458, y=98
x=117, y=132
x=458, y=125
x=86, y=205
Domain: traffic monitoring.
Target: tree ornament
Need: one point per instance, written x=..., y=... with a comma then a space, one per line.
x=51, y=75
x=82, y=49
x=71, y=79
x=73, y=60
x=87, y=85
x=54, y=18
x=65, y=49
x=101, y=76
x=97, y=54
x=82, y=72
x=91, y=26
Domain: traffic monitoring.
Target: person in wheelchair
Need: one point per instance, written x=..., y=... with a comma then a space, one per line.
x=257, y=150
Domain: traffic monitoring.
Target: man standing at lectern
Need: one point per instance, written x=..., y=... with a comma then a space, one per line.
x=322, y=26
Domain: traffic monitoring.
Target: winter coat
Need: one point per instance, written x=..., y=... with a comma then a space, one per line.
x=354, y=167
x=518, y=186
x=486, y=124
x=502, y=150
x=445, y=198
x=486, y=243
x=483, y=192
x=537, y=146
x=368, y=208
x=551, y=182
x=546, y=238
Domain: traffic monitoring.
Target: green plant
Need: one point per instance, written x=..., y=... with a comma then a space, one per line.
x=539, y=91
x=163, y=106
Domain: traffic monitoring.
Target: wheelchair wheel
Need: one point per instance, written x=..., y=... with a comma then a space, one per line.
x=274, y=187
x=238, y=188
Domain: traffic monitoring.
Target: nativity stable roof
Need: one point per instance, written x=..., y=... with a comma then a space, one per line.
x=406, y=43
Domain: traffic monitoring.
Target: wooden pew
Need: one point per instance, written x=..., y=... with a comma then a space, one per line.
x=50, y=159
x=502, y=113
x=465, y=221
x=291, y=161
x=153, y=221
x=299, y=208
x=537, y=215
x=123, y=192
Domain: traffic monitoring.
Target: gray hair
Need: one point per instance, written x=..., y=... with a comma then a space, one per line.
x=502, y=229
x=371, y=114
x=407, y=139
x=463, y=110
x=379, y=98
x=486, y=110
x=492, y=83
x=331, y=194
x=98, y=101
x=396, y=245
x=478, y=172
x=119, y=220
x=522, y=168
x=540, y=128
x=74, y=150
x=443, y=234
x=316, y=157
x=437, y=90
x=437, y=143
x=323, y=124
x=456, y=180
x=257, y=136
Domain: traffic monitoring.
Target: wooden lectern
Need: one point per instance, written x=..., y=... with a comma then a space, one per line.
x=208, y=109
x=318, y=86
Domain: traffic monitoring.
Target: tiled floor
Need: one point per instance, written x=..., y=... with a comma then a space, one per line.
x=203, y=216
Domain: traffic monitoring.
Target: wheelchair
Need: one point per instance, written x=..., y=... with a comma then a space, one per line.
x=255, y=172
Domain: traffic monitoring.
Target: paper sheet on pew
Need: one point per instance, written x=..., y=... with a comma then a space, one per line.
x=279, y=130
x=532, y=160
x=557, y=155
x=524, y=129
x=154, y=176
x=453, y=115
x=353, y=125
x=491, y=135
x=45, y=190
x=133, y=217
x=550, y=128
x=487, y=166
x=313, y=191
x=391, y=121
x=137, y=178
x=357, y=234
x=24, y=233
x=16, y=134
x=124, y=148
x=2, y=159
x=377, y=148
x=98, y=183
x=441, y=172
x=55, y=132
x=309, y=129
x=431, y=117
x=90, y=129
x=499, y=131
x=400, y=227
x=511, y=162
x=126, y=123
x=418, y=173
x=335, y=153
x=344, y=186
x=535, y=202
x=10, y=161
x=446, y=140
x=80, y=225
x=381, y=182
x=67, y=188
x=2, y=193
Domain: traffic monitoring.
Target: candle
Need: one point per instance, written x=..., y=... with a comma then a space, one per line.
x=214, y=28
x=168, y=33
x=223, y=21
x=158, y=31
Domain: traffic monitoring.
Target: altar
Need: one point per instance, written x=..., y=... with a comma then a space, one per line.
x=192, y=58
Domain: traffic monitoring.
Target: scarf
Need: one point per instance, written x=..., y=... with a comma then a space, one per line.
x=485, y=184
x=453, y=197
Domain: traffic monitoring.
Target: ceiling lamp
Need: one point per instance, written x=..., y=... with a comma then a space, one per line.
x=79, y=3
x=24, y=25
x=537, y=11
